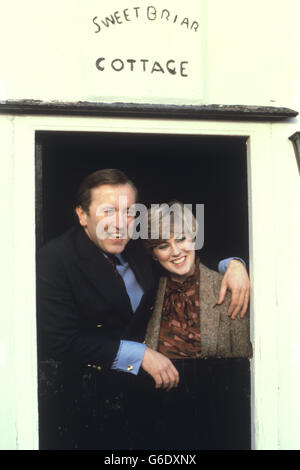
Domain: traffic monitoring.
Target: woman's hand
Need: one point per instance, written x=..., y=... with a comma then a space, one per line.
x=161, y=369
x=236, y=279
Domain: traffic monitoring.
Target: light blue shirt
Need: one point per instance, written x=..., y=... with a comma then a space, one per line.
x=223, y=264
x=131, y=354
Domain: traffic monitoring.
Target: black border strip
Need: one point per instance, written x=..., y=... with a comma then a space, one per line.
x=83, y=108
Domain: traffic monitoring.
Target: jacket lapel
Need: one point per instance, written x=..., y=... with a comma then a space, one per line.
x=152, y=334
x=209, y=314
x=100, y=273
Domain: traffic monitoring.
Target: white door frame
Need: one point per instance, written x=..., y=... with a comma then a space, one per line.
x=264, y=379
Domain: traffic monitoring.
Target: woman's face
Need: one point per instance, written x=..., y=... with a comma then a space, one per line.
x=177, y=256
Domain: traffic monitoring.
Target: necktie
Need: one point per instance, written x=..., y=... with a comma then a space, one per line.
x=113, y=260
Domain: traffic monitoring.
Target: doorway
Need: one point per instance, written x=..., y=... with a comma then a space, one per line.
x=211, y=170
x=192, y=169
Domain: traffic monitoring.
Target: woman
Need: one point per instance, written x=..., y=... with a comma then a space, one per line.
x=176, y=323
x=188, y=326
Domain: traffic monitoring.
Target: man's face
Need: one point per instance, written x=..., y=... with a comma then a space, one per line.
x=108, y=219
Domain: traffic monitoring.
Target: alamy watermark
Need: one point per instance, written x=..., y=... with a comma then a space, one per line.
x=160, y=221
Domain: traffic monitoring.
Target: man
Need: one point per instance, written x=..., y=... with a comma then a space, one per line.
x=93, y=312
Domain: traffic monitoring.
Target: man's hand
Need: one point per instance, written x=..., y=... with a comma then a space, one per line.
x=236, y=279
x=161, y=369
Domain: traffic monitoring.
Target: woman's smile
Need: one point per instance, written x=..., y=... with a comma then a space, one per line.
x=179, y=261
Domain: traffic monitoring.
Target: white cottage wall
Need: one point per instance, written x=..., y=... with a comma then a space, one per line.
x=243, y=53
x=286, y=248
x=8, y=436
x=252, y=52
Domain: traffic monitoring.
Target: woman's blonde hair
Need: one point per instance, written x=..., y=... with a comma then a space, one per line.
x=168, y=220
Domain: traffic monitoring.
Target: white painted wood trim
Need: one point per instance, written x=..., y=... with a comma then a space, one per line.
x=263, y=303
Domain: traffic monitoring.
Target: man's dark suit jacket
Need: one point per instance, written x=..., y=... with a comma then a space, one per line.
x=83, y=308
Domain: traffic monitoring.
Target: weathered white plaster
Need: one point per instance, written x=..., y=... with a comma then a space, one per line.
x=243, y=53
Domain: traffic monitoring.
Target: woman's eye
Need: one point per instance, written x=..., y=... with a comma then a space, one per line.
x=181, y=239
x=162, y=247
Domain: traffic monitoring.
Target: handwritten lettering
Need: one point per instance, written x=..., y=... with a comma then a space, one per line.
x=108, y=20
x=126, y=14
x=167, y=14
x=143, y=65
x=149, y=13
x=98, y=26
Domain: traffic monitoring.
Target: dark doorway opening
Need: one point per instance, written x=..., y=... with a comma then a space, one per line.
x=192, y=169
x=211, y=170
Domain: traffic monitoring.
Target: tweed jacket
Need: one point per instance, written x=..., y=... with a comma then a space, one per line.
x=221, y=336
